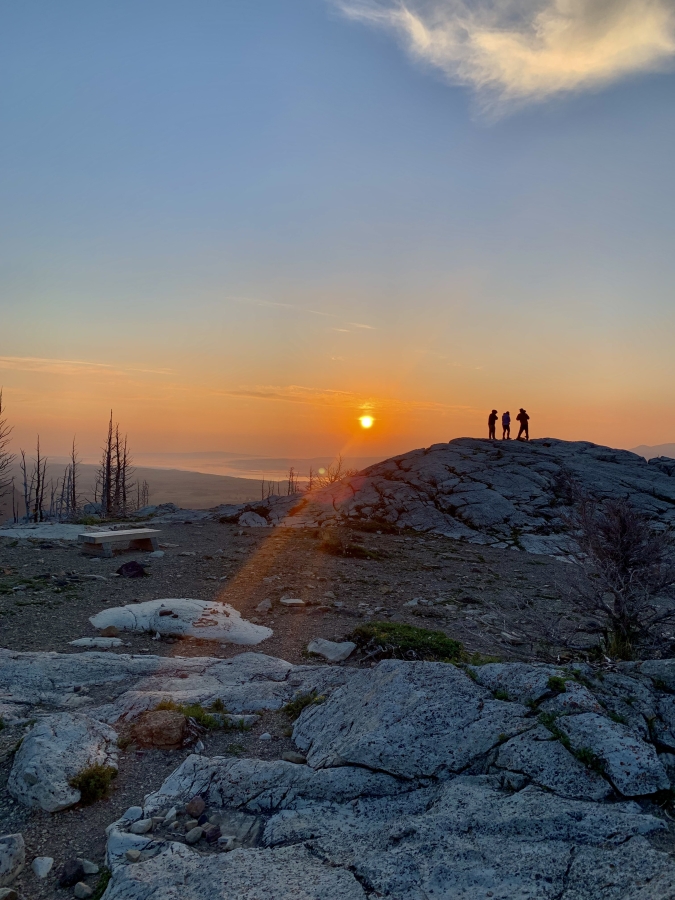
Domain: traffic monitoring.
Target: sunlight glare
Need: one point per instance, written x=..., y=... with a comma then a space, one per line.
x=366, y=421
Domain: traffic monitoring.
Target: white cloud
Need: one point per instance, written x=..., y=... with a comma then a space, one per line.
x=513, y=51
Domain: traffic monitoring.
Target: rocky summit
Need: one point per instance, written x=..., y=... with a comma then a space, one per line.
x=408, y=779
x=503, y=493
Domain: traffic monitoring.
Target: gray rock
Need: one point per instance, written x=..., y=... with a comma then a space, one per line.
x=82, y=890
x=12, y=857
x=56, y=749
x=42, y=866
x=252, y=520
x=143, y=826
x=407, y=719
x=519, y=681
x=194, y=835
x=631, y=764
x=292, y=872
x=264, y=606
x=544, y=760
x=133, y=814
x=292, y=757
x=331, y=650
x=90, y=868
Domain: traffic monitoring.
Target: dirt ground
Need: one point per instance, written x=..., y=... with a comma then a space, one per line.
x=500, y=603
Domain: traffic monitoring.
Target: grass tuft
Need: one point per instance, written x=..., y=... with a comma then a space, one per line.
x=557, y=684
x=93, y=783
x=394, y=640
x=302, y=701
x=101, y=885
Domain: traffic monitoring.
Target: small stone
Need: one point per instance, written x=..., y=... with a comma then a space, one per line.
x=163, y=728
x=143, y=826
x=194, y=835
x=109, y=631
x=292, y=601
x=226, y=842
x=202, y=820
x=156, y=554
x=265, y=737
x=72, y=871
x=133, y=855
x=195, y=807
x=42, y=866
x=292, y=757
x=199, y=747
x=190, y=824
x=133, y=814
x=264, y=606
x=171, y=815
x=213, y=834
x=158, y=820
x=331, y=650
x=90, y=868
x=83, y=890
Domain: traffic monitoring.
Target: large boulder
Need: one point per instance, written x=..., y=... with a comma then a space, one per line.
x=209, y=621
x=56, y=749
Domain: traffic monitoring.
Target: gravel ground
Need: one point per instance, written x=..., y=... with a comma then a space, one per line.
x=497, y=602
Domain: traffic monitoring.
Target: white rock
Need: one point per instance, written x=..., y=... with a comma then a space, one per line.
x=330, y=650
x=133, y=814
x=252, y=520
x=156, y=554
x=189, y=618
x=42, y=866
x=101, y=643
x=291, y=601
x=12, y=857
x=56, y=749
x=143, y=826
x=266, y=736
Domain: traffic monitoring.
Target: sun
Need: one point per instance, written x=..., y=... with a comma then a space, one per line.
x=366, y=421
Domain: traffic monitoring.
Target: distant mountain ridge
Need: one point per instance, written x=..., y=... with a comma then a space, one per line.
x=656, y=450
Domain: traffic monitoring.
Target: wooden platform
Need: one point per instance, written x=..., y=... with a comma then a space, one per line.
x=105, y=543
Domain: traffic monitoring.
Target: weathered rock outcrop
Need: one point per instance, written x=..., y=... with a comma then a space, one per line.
x=421, y=782
x=505, y=493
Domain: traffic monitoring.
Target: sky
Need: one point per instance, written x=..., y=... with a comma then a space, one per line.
x=244, y=225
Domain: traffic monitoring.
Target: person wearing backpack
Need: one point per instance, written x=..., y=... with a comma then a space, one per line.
x=524, y=419
x=506, y=426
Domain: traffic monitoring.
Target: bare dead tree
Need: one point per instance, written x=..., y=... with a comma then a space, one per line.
x=6, y=458
x=631, y=573
x=34, y=484
x=312, y=479
x=142, y=494
x=292, y=486
x=336, y=471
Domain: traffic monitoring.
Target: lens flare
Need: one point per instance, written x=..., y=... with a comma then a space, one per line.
x=366, y=421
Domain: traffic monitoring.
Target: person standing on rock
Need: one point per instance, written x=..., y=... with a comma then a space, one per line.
x=506, y=426
x=524, y=419
x=492, y=424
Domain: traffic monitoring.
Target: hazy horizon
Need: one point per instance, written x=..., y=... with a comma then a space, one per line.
x=244, y=226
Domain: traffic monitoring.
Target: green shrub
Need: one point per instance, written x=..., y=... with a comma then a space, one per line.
x=104, y=877
x=93, y=783
x=193, y=711
x=501, y=694
x=296, y=706
x=394, y=640
x=615, y=717
x=557, y=684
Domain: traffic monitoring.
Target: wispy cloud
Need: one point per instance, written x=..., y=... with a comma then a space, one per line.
x=69, y=366
x=513, y=51
x=300, y=309
x=294, y=393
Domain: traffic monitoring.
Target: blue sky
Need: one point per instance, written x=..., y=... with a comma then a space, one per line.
x=219, y=196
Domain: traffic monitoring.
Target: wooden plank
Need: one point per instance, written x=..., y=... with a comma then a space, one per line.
x=104, y=537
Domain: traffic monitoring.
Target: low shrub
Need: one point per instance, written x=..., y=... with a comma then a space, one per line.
x=393, y=640
x=557, y=684
x=93, y=783
x=297, y=704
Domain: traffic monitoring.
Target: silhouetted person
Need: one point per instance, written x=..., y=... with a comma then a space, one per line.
x=523, y=418
x=506, y=426
x=492, y=424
